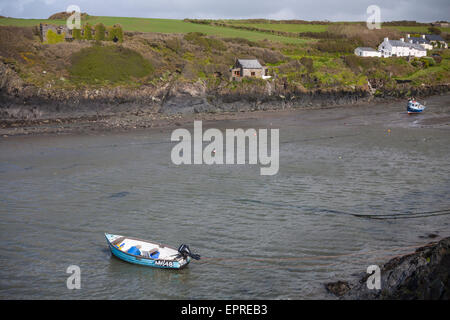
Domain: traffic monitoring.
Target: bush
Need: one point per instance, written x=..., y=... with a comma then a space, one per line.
x=108, y=63
x=434, y=30
x=192, y=36
x=199, y=39
x=53, y=37
x=115, y=33
x=100, y=31
x=14, y=40
x=76, y=34
x=174, y=44
x=241, y=41
x=336, y=46
x=87, y=31
x=427, y=62
x=308, y=63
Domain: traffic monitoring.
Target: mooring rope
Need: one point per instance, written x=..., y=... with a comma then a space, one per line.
x=393, y=253
x=367, y=216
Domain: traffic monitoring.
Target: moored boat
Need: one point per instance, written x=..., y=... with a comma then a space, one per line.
x=150, y=254
x=414, y=107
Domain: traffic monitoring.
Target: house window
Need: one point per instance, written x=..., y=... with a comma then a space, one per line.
x=253, y=74
x=236, y=73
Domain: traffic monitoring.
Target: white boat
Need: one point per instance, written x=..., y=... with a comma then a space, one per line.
x=414, y=107
x=150, y=254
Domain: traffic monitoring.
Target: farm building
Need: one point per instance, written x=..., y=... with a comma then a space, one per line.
x=248, y=68
x=400, y=48
x=367, y=52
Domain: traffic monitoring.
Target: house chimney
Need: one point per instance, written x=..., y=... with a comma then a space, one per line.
x=408, y=35
x=423, y=36
x=402, y=39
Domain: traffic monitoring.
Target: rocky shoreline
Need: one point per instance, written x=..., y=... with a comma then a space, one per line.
x=26, y=109
x=424, y=275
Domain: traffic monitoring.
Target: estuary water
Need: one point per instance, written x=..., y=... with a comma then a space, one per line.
x=263, y=237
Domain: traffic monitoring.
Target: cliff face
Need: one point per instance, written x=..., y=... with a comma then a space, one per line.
x=424, y=274
x=20, y=101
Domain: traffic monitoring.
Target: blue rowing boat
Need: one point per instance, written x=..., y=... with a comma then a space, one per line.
x=150, y=254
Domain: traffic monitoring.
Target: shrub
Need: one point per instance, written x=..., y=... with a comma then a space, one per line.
x=76, y=34
x=241, y=41
x=199, y=39
x=434, y=30
x=174, y=44
x=336, y=46
x=427, y=62
x=53, y=37
x=87, y=31
x=115, y=33
x=100, y=31
x=192, y=36
x=308, y=63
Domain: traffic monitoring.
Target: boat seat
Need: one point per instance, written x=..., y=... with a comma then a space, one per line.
x=118, y=240
x=148, y=254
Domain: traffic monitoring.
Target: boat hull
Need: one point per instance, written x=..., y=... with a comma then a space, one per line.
x=414, y=111
x=414, y=107
x=143, y=261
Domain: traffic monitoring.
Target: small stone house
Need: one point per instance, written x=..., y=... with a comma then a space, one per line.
x=248, y=68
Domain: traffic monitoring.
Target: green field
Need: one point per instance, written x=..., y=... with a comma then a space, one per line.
x=161, y=26
x=180, y=26
x=285, y=27
x=414, y=29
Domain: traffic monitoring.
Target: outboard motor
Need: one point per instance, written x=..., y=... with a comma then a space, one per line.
x=186, y=252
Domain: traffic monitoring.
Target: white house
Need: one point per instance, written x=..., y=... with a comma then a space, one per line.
x=400, y=48
x=422, y=40
x=436, y=39
x=367, y=52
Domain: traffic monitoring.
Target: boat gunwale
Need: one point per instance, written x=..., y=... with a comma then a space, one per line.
x=111, y=244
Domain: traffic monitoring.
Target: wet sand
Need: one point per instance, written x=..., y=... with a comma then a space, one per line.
x=437, y=114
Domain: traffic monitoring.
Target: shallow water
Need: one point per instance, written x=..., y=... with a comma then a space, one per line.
x=59, y=194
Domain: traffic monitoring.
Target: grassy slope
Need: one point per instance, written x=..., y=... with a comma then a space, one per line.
x=161, y=26
x=328, y=69
x=179, y=26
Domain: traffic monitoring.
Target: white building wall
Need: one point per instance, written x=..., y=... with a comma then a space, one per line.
x=365, y=53
x=387, y=50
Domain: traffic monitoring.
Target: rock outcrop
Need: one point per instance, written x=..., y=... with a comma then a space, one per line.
x=22, y=101
x=424, y=274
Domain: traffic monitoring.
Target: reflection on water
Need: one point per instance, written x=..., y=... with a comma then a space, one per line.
x=58, y=195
